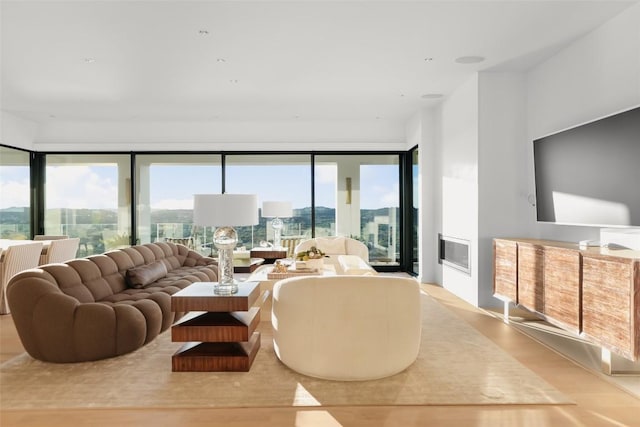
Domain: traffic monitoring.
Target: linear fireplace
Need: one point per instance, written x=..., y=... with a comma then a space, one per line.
x=454, y=252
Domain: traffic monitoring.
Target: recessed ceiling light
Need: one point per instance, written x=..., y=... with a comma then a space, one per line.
x=469, y=59
x=203, y=32
x=233, y=81
x=428, y=59
x=89, y=60
x=221, y=60
x=432, y=96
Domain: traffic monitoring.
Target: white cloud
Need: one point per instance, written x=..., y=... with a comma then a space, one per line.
x=79, y=187
x=391, y=196
x=326, y=174
x=379, y=196
x=14, y=194
x=173, y=204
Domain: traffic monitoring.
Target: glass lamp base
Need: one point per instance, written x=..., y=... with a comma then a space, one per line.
x=225, y=239
x=277, y=225
x=225, y=288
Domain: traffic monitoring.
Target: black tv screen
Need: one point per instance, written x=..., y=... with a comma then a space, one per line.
x=590, y=174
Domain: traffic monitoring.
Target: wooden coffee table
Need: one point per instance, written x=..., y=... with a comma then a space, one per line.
x=219, y=330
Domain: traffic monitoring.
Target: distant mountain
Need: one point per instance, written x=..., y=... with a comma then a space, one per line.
x=14, y=215
x=171, y=215
x=14, y=209
x=324, y=217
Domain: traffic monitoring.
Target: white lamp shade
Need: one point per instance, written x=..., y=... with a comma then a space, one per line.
x=277, y=209
x=220, y=210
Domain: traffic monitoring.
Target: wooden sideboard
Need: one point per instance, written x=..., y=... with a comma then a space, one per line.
x=593, y=292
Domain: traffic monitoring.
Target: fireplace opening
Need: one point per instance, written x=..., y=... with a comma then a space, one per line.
x=454, y=252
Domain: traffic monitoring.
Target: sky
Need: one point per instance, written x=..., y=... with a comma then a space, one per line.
x=95, y=186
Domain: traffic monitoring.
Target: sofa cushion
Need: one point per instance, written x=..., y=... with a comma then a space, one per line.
x=139, y=277
x=333, y=246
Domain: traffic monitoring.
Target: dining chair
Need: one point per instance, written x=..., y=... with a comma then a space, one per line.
x=16, y=258
x=186, y=241
x=289, y=243
x=60, y=251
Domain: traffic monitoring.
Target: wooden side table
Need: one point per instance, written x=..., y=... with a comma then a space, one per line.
x=246, y=265
x=219, y=330
x=269, y=255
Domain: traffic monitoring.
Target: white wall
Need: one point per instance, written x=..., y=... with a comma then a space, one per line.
x=483, y=184
x=485, y=133
x=595, y=76
x=459, y=145
x=422, y=130
x=60, y=135
x=17, y=132
x=504, y=209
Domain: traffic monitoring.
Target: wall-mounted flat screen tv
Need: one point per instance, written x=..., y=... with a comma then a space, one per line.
x=590, y=174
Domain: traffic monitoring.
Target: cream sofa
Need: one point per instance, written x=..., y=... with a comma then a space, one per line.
x=347, y=327
x=349, y=256
x=103, y=305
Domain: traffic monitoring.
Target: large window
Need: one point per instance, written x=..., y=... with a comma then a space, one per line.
x=415, y=211
x=165, y=185
x=93, y=196
x=280, y=178
x=88, y=196
x=359, y=196
x=15, y=205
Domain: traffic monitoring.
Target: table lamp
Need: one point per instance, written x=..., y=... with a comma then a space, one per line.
x=277, y=210
x=224, y=211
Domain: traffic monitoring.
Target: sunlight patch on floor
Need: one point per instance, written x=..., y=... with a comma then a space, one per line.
x=315, y=419
x=303, y=398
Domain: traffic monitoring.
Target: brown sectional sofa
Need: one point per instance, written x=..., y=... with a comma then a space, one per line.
x=102, y=305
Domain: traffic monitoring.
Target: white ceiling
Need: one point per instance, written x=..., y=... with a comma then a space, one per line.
x=137, y=61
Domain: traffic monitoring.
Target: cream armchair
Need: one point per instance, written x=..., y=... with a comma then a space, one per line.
x=347, y=327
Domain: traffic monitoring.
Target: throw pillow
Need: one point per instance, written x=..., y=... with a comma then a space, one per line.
x=139, y=277
x=335, y=246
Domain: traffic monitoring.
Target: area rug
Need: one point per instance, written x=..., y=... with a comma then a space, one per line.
x=456, y=366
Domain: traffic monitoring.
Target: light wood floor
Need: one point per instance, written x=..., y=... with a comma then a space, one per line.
x=598, y=402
